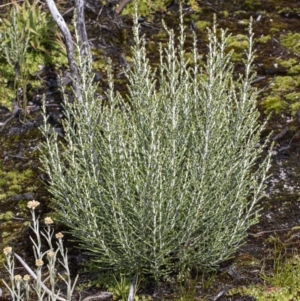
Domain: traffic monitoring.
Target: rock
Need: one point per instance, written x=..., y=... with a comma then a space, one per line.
x=24, y=196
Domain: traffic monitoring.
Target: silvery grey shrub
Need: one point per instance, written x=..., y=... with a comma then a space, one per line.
x=166, y=177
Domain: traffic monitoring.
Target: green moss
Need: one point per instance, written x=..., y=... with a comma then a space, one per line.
x=293, y=97
x=14, y=189
x=14, y=182
x=7, y=216
x=288, y=10
x=99, y=65
x=5, y=234
x=30, y=188
x=238, y=43
x=283, y=84
x=3, y=182
x=202, y=25
x=294, y=107
x=292, y=65
x=194, y=5
x=224, y=13
x=57, y=58
x=287, y=63
x=284, y=95
x=189, y=57
x=284, y=10
x=250, y=4
x=274, y=30
x=240, y=13
x=274, y=104
x=33, y=61
x=263, y=39
x=278, y=26
x=243, y=22
x=194, y=17
x=162, y=34
x=291, y=41
x=6, y=90
x=147, y=7
x=294, y=70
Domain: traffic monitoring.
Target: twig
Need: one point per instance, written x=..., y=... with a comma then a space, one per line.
x=257, y=79
x=102, y=296
x=121, y=6
x=100, y=11
x=3, y=5
x=281, y=134
x=132, y=289
x=222, y=292
x=269, y=231
x=59, y=20
x=13, y=114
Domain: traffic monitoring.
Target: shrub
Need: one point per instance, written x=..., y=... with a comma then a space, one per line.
x=163, y=178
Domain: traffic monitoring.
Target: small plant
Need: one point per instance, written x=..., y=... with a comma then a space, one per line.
x=22, y=288
x=121, y=288
x=37, y=24
x=15, y=43
x=27, y=29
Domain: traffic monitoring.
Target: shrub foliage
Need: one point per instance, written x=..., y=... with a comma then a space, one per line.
x=165, y=177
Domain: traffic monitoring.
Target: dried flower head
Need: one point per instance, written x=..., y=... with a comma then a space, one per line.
x=7, y=251
x=33, y=204
x=50, y=254
x=59, y=235
x=39, y=262
x=48, y=221
x=26, y=277
x=18, y=278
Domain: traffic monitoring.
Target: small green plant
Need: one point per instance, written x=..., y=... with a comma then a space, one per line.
x=15, y=43
x=163, y=179
x=286, y=268
x=20, y=287
x=26, y=30
x=37, y=24
x=121, y=288
x=186, y=288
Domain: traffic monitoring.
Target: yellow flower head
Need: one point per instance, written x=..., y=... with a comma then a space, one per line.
x=26, y=277
x=48, y=221
x=59, y=235
x=50, y=254
x=33, y=204
x=39, y=262
x=7, y=251
x=18, y=278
